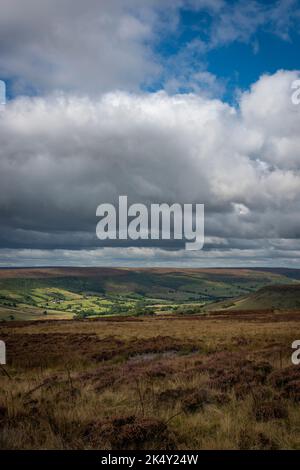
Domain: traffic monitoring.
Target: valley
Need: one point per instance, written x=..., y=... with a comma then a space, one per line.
x=78, y=293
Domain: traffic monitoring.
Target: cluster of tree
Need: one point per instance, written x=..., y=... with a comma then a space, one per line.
x=138, y=309
x=141, y=308
x=188, y=310
x=83, y=314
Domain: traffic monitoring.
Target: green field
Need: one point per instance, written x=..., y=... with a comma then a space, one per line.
x=62, y=293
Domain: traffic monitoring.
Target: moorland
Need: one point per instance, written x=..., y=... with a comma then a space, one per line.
x=171, y=359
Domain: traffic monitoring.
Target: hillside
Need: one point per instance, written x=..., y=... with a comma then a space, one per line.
x=276, y=297
x=61, y=293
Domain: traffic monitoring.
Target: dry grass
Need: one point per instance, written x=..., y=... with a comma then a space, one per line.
x=213, y=382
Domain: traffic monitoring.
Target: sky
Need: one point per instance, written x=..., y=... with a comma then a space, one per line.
x=166, y=101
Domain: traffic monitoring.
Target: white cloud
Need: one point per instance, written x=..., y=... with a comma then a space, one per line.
x=275, y=253
x=241, y=20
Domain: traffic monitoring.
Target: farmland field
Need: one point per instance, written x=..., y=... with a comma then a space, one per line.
x=74, y=293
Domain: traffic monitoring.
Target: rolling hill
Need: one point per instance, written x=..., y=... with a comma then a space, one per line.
x=275, y=297
x=61, y=293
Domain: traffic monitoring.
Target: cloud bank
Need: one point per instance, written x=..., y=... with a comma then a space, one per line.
x=62, y=155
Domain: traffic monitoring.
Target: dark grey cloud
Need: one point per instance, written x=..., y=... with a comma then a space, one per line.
x=62, y=155
x=83, y=142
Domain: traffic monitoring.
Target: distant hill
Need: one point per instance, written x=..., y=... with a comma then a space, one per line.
x=277, y=297
x=78, y=292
